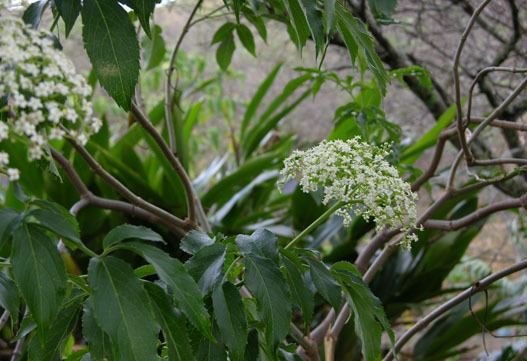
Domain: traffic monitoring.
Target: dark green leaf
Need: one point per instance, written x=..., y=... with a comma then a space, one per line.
x=300, y=293
x=368, y=313
x=261, y=243
x=329, y=14
x=173, y=273
x=206, y=266
x=315, y=21
x=325, y=283
x=111, y=43
x=96, y=339
x=143, y=10
x=122, y=309
x=173, y=325
x=9, y=220
x=246, y=37
x=237, y=5
x=383, y=7
x=230, y=316
x=39, y=273
x=155, y=48
x=266, y=283
x=224, y=31
x=298, y=21
x=257, y=22
x=69, y=10
x=211, y=351
x=225, y=51
x=128, y=231
x=33, y=14
x=194, y=241
x=9, y=299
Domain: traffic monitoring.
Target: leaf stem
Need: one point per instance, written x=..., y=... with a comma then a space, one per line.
x=315, y=224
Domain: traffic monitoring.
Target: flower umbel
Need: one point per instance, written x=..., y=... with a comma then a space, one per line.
x=357, y=175
x=41, y=89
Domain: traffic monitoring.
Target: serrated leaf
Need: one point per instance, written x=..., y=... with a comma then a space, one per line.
x=97, y=340
x=173, y=273
x=261, y=243
x=206, y=266
x=121, y=308
x=33, y=14
x=194, y=241
x=173, y=326
x=144, y=10
x=128, y=231
x=110, y=41
x=69, y=10
x=230, y=316
x=301, y=295
x=155, y=48
x=325, y=283
x=9, y=299
x=266, y=283
x=39, y=273
x=367, y=311
x=225, y=51
x=246, y=37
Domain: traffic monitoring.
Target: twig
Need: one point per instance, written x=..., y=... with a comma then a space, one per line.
x=479, y=286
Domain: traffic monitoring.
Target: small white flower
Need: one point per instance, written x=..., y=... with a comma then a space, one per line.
x=13, y=174
x=4, y=158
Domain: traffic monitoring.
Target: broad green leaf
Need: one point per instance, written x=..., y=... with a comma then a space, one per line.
x=122, y=309
x=9, y=299
x=383, y=7
x=429, y=139
x=261, y=243
x=173, y=273
x=69, y=10
x=206, y=266
x=49, y=344
x=315, y=21
x=9, y=220
x=97, y=340
x=225, y=51
x=230, y=316
x=265, y=281
x=194, y=241
x=325, y=283
x=301, y=295
x=298, y=21
x=258, y=97
x=39, y=273
x=246, y=37
x=128, y=231
x=173, y=325
x=366, y=309
x=211, y=351
x=361, y=45
x=224, y=31
x=155, y=48
x=110, y=40
x=33, y=14
x=144, y=10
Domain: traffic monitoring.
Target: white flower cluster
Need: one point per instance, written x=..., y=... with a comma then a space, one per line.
x=46, y=98
x=357, y=175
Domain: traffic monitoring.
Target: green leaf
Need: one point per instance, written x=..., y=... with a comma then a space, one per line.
x=383, y=7
x=258, y=97
x=224, y=31
x=9, y=220
x=33, y=14
x=173, y=273
x=110, y=40
x=155, y=48
x=225, y=51
x=246, y=37
x=69, y=10
x=230, y=316
x=128, y=231
x=315, y=21
x=329, y=15
x=39, y=273
x=367, y=311
x=9, y=299
x=298, y=21
x=211, y=351
x=300, y=292
x=121, y=308
x=257, y=22
x=97, y=340
x=194, y=241
x=173, y=325
x=48, y=345
x=261, y=243
x=325, y=283
x=266, y=283
x=206, y=266
x=144, y=9
x=237, y=5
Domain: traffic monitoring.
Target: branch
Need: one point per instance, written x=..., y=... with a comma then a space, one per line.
x=477, y=287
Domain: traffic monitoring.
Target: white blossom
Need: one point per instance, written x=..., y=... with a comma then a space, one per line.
x=13, y=174
x=355, y=173
x=46, y=97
